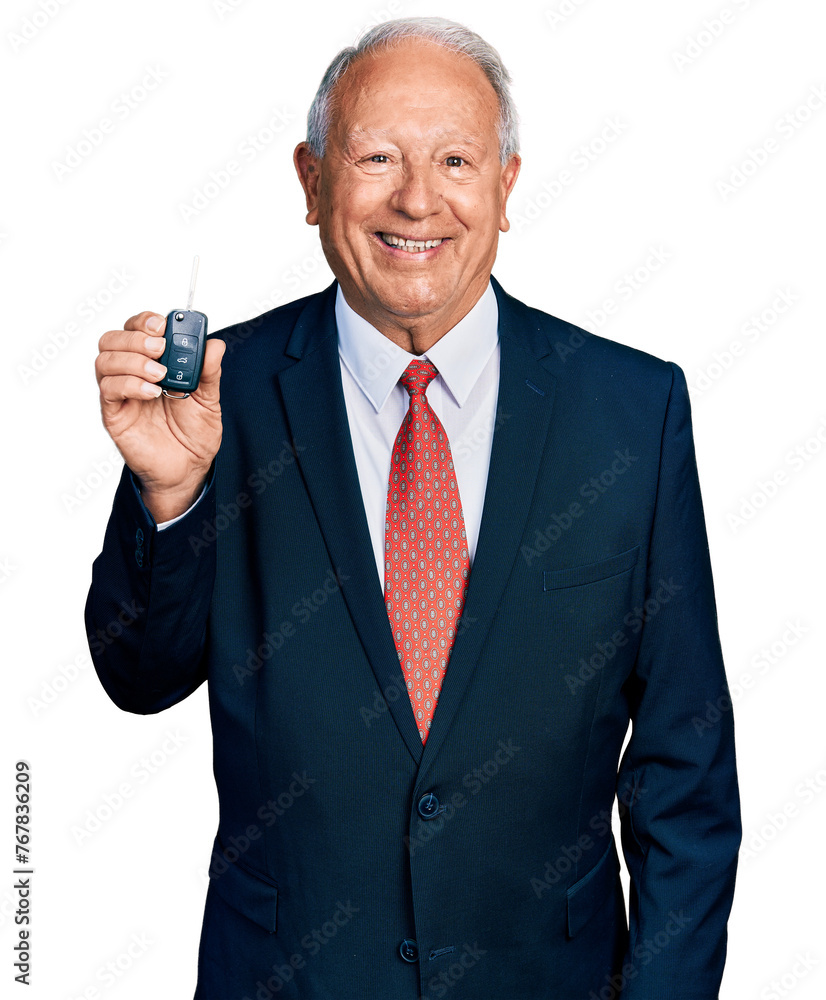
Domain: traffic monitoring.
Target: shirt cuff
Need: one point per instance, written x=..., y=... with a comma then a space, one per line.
x=165, y=524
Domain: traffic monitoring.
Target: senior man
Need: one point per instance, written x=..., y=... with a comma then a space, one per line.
x=432, y=550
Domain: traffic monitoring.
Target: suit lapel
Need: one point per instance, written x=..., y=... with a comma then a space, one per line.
x=523, y=411
x=314, y=401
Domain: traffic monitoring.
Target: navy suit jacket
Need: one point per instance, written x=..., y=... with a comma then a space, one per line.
x=352, y=862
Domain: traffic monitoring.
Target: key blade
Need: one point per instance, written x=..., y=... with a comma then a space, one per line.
x=192, y=281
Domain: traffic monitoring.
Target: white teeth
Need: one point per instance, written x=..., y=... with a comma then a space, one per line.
x=411, y=246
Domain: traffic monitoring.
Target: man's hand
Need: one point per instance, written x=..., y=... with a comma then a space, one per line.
x=168, y=443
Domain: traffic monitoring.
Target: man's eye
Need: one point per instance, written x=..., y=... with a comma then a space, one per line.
x=454, y=161
x=378, y=158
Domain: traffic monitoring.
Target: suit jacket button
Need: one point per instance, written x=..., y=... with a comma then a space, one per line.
x=428, y=806
x=409, y=950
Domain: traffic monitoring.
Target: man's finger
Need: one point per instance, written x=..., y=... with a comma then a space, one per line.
x=130, y=342
x=150, y=322
x=114, y=389
x=128, y=363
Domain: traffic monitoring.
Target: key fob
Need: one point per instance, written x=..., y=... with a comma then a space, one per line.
x=185, y=334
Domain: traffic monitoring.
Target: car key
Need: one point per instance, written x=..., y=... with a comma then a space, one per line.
x=185, y=334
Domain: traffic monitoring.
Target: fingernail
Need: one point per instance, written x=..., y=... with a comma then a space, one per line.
x=153, y=324
x=151, y=390
x=154, y=344
x=153, y=368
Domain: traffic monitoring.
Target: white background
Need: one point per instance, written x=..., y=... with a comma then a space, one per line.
x=688, y=104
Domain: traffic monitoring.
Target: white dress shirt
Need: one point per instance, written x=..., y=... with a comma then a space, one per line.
x=463, y=396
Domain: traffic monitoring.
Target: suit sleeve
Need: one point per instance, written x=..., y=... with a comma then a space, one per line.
x=148, y=604
x=680, y=828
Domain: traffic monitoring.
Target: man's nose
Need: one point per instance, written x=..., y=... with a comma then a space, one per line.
x=418, y=195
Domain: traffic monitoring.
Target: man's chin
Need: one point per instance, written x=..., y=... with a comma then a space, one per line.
x=392, y=301
x=410, y=300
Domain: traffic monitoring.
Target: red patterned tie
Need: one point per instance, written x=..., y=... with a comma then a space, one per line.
x=426, y=564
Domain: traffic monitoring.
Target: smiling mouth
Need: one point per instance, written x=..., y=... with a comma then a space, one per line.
x=409, y=246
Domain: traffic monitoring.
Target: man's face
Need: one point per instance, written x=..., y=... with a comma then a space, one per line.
x=412, y=155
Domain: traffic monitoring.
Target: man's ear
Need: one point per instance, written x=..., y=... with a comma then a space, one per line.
x=507, y=180
x=308, y=168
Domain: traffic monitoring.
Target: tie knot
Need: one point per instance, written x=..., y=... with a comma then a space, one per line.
x=418, y=375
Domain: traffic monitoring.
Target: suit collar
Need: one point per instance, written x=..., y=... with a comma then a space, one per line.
x=316, y=323
x=528, y=328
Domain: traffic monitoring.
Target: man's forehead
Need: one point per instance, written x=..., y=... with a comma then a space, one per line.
x=400, y=133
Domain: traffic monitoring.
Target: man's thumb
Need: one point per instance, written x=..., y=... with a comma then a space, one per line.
x=208, y=385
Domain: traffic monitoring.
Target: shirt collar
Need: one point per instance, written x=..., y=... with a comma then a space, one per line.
x=377, y=364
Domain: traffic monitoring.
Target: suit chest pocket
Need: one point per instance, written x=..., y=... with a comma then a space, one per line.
x=580, y=576
x=587, y=611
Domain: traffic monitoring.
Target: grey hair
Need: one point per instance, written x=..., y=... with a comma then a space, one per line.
x=451, y=35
